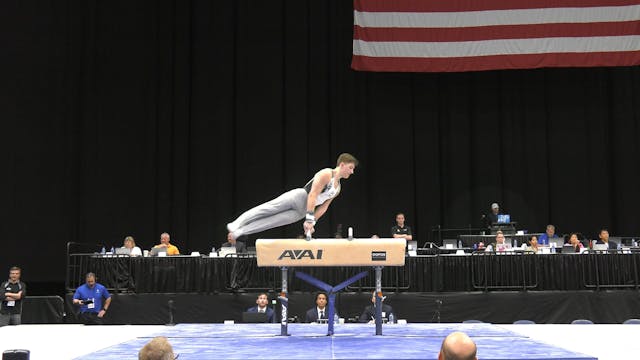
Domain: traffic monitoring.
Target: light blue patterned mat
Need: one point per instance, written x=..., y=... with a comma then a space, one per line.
x=351, y=341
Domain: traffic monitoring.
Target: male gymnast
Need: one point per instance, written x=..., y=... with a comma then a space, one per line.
x=308, y=203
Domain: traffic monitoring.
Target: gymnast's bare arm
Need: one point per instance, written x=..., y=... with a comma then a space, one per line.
x=320, y=180
x=323, y=208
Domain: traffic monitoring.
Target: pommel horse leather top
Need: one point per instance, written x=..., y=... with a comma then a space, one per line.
x=330, y=252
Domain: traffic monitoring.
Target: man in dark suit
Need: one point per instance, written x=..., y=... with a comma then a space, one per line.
x=240, y=243
x=320, y=311
x=369, y=313
x=604, y=239
x=262, y=301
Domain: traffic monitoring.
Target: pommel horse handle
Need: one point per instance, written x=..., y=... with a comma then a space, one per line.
x=331, y=252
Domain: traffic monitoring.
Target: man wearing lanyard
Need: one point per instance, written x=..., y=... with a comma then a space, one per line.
x=90, y=298
x=12, y=292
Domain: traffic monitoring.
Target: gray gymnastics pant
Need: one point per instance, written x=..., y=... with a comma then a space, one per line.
x=283, y=210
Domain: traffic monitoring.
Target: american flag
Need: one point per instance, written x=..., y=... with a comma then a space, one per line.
x=473, y=35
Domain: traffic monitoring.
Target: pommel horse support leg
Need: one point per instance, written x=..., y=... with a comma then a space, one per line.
x=284, y=301
x=284, y=253
x=331, y=291
x=378, y=300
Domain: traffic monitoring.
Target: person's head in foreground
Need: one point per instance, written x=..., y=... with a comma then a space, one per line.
x=157, y=349
x=457, y=346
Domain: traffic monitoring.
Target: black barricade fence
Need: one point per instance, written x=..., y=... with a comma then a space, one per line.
x=500, y=307
x=441, y=273
x=42, y=310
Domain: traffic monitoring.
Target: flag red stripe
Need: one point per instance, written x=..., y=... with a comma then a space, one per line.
x=497, y=32
x=475, y=5
x=479, y=63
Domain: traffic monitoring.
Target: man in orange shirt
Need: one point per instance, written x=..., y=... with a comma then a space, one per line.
x=164, y=243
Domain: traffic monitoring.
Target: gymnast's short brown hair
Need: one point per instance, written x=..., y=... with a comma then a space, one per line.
x=347, y=159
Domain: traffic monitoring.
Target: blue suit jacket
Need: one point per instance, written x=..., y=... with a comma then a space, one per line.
x=312, y=314
x=271, y=315
x=612, y=244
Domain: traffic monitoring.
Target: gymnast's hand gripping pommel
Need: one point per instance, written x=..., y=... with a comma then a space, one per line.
x=309, y=223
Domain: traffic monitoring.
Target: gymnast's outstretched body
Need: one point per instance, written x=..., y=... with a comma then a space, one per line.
x=308, y=203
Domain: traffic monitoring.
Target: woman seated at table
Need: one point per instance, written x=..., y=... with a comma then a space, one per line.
x=130, y=244
x=575, y=242
x=533, y=244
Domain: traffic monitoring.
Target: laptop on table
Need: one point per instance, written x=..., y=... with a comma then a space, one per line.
x=157, y=250
x=449, y=243
x=225, y=250
x=254, y=317
x=504, y=219
x=123, y=251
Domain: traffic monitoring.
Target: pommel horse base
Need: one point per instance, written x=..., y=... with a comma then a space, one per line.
x=285, y=253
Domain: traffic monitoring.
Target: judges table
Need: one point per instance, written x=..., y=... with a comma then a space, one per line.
x=471, y=240
x=469, y=272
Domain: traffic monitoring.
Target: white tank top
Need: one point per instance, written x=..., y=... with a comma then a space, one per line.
x=329, y=191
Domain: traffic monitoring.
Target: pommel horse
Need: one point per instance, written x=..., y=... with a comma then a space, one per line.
x=285, y=253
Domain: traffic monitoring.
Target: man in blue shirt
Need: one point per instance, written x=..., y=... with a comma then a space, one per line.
x=90, y=299
x=549, y=234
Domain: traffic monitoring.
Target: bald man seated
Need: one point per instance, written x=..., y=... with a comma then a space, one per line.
x=457, y=346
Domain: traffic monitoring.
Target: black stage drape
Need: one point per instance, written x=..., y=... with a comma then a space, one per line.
x=132, y=118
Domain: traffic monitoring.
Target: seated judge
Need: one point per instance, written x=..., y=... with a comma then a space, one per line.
x=240, y=243
x=320, y=311
x=498, y=244
x=533, y=244
x=369, y=313
x=261, y=307
x=130, y=244
x=165, y=240
x=550, y=233
x=574, y=241
x=603, y=238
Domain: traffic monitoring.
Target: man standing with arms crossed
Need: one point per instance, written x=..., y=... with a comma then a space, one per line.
x=12, y=292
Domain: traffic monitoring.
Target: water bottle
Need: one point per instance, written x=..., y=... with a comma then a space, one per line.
x=515, y=243
x=553, y=248
x=459, y=244
x=113, y=250
x=336, y=320
x=103, y=251
x=392, y=319
x=634, y=243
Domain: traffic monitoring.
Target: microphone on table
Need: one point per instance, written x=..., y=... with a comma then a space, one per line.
x=171, y=309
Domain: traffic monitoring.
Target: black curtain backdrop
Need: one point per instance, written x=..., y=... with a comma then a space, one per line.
x=137, y=117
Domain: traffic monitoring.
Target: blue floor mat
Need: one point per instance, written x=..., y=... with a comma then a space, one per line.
x=350, y=341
